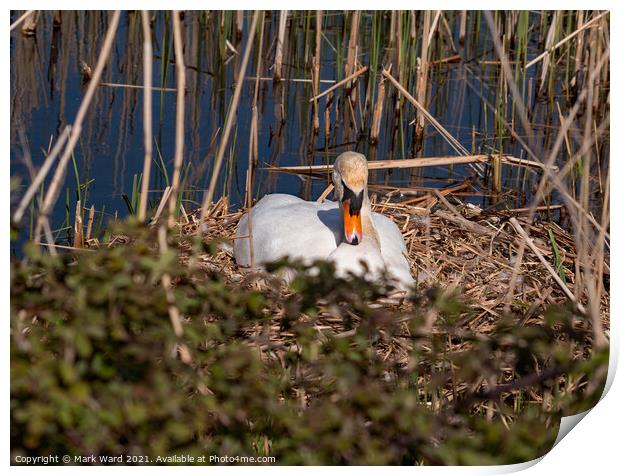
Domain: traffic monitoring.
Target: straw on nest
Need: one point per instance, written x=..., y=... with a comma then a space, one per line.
x=456, y=249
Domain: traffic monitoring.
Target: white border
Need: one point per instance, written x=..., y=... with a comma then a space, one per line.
x=592, y=448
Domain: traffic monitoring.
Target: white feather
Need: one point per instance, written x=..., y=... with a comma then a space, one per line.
x=284, y=225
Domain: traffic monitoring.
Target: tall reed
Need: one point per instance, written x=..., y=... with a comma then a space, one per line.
x=277, y=72
x=230, y=118
x=180, y=116
x=52, y=192
x=147, y=113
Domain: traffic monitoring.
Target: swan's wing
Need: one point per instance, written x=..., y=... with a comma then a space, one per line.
x=284, y=225
x=394, y=250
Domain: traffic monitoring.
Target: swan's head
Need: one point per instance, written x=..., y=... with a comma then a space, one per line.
x=350, y=177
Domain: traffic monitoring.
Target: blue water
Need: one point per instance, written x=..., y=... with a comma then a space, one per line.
x=47, y=89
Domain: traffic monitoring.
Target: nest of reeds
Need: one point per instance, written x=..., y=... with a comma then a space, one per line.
x=486, y=257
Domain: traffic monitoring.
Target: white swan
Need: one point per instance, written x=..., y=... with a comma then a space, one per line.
x=346, y=232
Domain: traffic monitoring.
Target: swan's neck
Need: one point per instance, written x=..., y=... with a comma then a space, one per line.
x=368, y=226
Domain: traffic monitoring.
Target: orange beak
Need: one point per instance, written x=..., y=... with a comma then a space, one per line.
x=352, y=224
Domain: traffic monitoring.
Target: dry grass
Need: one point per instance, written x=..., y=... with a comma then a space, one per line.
x=454, y=247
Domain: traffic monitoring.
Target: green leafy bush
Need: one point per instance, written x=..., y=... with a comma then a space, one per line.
x=97, y=369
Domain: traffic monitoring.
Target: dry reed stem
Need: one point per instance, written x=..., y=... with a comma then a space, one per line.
x=579, y=47
x=239, y=24
x=41, y=174
x=248, y=183
x=352, y=52
x=89, y=225
x=231, y=47
x=253, y=148
x=454, y=143
x=291, y=80
x=230, y=118
x=413, y=163
x=393, y=15
x=78, y=228
x=448, y=59
x=519, y=229
x=422, y=72
x=514, y=90
x=548, y=43
x=277, y=74
x=162, y=203
x=377, y=114
x=468, y=225
x=547, y=167
x=351, y=77
x=577, y=208
x=316, y=71
x=29, y=27
x=447, y=31
x=599, y=260
x=179, y=142
x=545, y=53
x=137, y=86
x=52, y=248
x=445, y=201
x=74, y=135
x=47, y=230
x=147, y=114
x=328, y=123
x=349, y=64
x=463, y=27
x=18, y=22
x=325, y=193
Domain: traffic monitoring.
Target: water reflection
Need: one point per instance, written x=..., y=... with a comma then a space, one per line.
x=47, y=86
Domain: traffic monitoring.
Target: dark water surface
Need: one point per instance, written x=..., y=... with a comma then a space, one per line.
x=47, y=89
